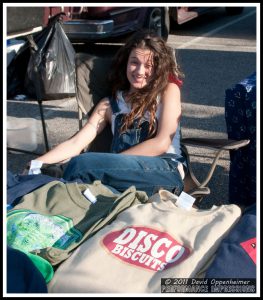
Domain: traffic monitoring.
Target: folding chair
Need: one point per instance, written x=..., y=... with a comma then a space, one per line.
x=92, y=85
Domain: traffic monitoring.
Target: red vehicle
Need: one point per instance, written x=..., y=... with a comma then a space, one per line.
x=97, y=23
x=83, y=24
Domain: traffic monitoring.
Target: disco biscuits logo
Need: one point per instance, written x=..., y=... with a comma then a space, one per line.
x=145, y=247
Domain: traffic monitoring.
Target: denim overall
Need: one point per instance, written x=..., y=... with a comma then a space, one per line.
x=132, y=136
x=120, y=171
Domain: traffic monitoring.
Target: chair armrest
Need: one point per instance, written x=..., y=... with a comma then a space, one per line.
x=219, y=144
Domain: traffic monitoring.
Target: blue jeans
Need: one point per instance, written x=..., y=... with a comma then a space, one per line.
x=121, y=171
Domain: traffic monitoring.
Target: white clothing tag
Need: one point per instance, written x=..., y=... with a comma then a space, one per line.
x=35, y=166
x=185, y=201
x=87, y=193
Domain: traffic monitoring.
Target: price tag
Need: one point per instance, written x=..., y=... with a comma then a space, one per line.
x=87, y=193
x=185, y=201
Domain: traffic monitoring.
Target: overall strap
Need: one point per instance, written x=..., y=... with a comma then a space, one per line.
x=114, y=105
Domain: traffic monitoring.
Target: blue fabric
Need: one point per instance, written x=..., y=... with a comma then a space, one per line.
x=20, y=185
x=114, y=105
x=240, y=115
x=132, y=136
x=22, y=274
x=232, y=260
x=121, y=171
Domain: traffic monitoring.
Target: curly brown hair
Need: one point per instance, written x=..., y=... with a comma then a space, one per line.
x=164, y=65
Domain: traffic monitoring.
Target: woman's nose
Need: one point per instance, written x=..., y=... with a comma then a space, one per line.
x=141, y=69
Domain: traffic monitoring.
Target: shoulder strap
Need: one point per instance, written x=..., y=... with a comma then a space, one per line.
x=114, y=105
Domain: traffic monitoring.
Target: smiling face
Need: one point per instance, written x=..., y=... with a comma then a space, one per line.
x=139, y=68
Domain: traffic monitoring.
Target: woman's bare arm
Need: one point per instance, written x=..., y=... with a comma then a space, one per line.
x=72, y=147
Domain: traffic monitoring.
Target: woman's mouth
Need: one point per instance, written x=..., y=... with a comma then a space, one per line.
x=139, y=78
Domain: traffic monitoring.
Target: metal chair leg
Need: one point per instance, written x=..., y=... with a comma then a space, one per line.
x=43, y=124
x=44, y=133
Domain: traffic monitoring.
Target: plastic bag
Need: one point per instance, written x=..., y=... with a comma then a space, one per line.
x=51, y=68
x=16, y=70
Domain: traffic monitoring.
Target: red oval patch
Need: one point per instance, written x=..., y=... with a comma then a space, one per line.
x=145, y=247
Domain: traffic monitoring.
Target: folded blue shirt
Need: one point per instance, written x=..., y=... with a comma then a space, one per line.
x=236, y=255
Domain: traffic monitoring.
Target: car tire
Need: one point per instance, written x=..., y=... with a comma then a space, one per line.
x=158, y=20
x=231, y=11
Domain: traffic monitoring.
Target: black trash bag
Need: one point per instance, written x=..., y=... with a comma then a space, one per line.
x=16, y=70
x=51, y=68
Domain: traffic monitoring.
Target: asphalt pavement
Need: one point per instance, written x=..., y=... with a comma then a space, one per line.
x=209, y=72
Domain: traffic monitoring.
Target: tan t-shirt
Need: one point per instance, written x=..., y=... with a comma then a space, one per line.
x=143, y=244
